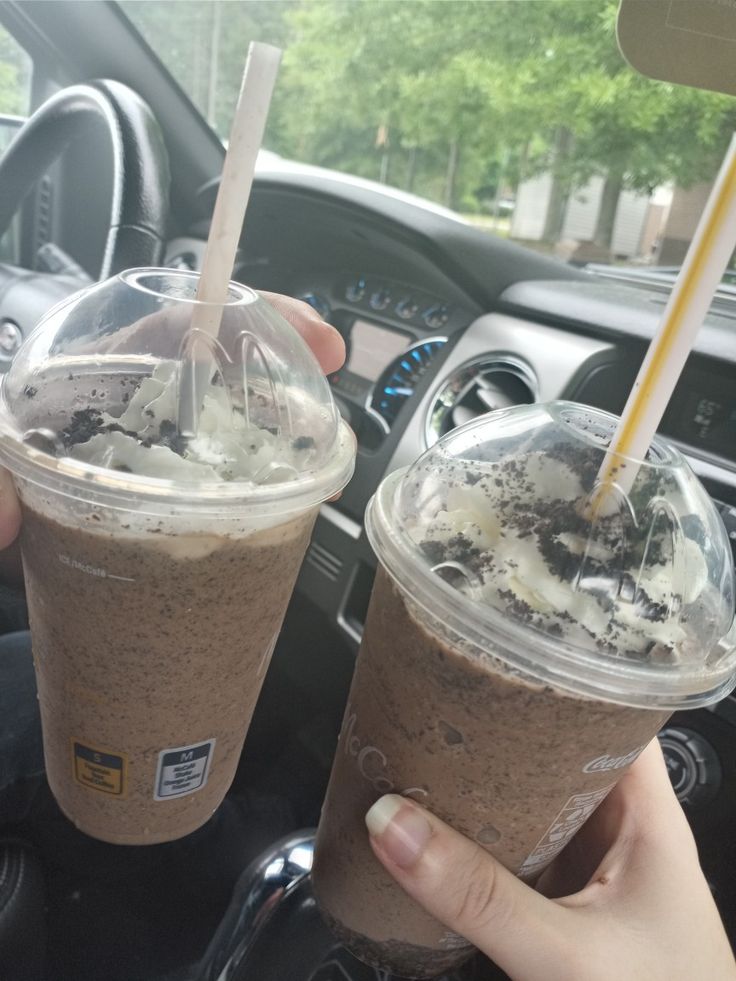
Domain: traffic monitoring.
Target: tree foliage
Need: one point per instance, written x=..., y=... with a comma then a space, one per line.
x=448, y=96
x=15, y=74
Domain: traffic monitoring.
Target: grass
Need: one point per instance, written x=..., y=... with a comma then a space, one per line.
x=498, y=226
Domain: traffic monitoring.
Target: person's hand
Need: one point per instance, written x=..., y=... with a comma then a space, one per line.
x=326, y=343
x=160, y=333
x=631, y=901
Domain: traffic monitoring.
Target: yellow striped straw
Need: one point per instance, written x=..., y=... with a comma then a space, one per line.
x=701, y=273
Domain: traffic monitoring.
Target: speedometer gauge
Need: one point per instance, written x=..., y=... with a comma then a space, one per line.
x=399, y=380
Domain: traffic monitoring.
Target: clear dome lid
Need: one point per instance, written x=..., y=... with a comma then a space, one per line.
x=499, y=532
x=95, y=393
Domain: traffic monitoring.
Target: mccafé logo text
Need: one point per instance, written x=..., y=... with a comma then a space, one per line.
x=372, y=763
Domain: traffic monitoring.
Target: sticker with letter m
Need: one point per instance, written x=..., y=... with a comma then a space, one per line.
x=183, y=770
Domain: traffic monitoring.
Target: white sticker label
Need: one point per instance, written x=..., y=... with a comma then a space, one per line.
x=572, y=816
x=183, y=770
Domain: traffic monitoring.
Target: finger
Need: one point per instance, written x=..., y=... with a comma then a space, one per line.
x=9, y=510
x=155, y=331
x=463, y=887
x=646, y=803
x=650, y=884
x=642, y=806
x=325, y=341
x=649, y=841
x=650, y=771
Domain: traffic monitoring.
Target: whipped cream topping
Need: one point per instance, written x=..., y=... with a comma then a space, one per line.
x=144, y=439
x=513, y=535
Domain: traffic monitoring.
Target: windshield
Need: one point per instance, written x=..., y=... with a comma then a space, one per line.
x=523, y=117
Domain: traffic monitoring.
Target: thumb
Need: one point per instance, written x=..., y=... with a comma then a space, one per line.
x=465, y=888
x=325, y=340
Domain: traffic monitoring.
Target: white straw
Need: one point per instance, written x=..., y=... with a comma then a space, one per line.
x=699, y=277
x=246, y=135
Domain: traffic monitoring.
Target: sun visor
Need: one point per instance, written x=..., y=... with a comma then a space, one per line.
x=690, y=42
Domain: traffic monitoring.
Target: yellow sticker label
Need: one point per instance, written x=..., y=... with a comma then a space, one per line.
x=99, y=769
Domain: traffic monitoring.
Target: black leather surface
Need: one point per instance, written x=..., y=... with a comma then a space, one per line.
x=140, y=165
x=25, y=296
x=22, y=915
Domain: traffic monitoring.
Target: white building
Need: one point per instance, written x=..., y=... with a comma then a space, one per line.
x=637, y=224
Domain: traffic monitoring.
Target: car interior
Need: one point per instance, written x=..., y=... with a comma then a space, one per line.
x=442, y=321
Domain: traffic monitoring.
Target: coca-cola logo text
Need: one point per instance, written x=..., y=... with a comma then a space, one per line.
x=603, y=763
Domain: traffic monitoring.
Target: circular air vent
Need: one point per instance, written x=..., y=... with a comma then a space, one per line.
x=479, y=386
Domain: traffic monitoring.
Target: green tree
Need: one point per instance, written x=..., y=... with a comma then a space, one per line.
x=357, y=70
x=204, y=44
x=448, y=98
x=15, y=76
x=541, y=82
x=630, y=130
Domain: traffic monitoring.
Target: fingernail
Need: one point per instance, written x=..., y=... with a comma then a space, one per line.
x=400, y=828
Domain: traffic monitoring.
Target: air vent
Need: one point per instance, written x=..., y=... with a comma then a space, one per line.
x=327, y=563
x=479, y=386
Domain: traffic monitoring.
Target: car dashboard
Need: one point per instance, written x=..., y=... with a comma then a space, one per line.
x=430, y=344
x=442, y=322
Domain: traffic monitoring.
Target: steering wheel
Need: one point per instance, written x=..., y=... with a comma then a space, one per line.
x=140, y=195
x=135, y=237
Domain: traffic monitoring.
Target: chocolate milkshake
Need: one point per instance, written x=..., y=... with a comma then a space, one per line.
x=516, y=658
x=457, y=741
x=159, y=559
x=150, y=652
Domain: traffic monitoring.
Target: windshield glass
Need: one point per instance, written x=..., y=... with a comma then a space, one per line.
x=523, y=117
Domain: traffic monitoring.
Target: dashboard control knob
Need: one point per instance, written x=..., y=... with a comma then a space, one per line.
x=436, y=316
x=11, y=338
x=356, y=291
x=183, y=260
x=380, y=299
x=318, y=303
x=692, y=764
x=407, y=308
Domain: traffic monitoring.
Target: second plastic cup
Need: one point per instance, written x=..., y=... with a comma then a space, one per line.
x=159, y=567
x=517, y=656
